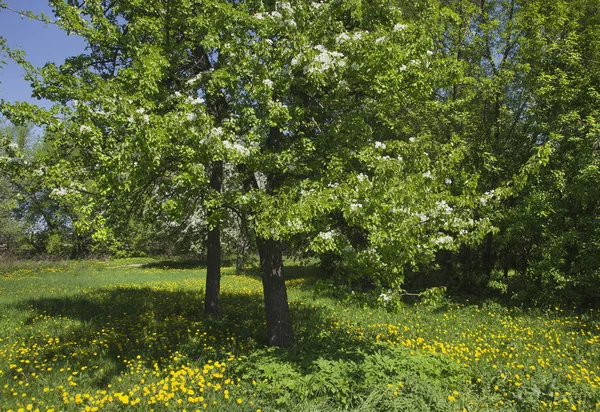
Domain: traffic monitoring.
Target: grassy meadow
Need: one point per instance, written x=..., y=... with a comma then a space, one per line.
x=88, y=336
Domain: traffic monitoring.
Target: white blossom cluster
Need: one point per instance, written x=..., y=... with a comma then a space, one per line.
x=41, y=171
x=487, y=196
x=329, y=235
x=84, y=128
x=325, y=60
x=399, y=27
x=443, y=240
x=444, y=207
x=386, y=296
x=237, y=147
x=295, y=224
x=59, y=192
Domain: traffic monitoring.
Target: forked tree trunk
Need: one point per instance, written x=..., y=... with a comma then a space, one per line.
x=279, y=323
x=213, y=266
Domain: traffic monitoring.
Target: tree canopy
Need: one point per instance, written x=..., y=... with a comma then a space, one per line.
x=387, y=137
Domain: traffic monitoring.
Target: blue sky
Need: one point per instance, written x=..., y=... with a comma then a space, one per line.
x=42, y=43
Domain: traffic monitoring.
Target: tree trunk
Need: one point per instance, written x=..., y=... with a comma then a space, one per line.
x=213, y=267
x=279, y=323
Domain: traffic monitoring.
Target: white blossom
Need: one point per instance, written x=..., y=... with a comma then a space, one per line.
x=146, y=118
x=59, y=192
x=429, y=53
x=285, y=7
x=259, y=16
x=84, y=128
x=399, y=27
x=141, y=110
x=327, y=235
x=423, y=217
x=448, y=181
x=341, y=38
x=362, y=177
x=443, y=240
x=355, y=206
x=326, y=59
x=241, y=149
x=380, y=40
x=268, y=83
x=191, y=116
x=444, y=207
x=197, y=100
x=379, y=145
x=217, y=132
x=412, y=139
x=427, y=174
x=386, y=296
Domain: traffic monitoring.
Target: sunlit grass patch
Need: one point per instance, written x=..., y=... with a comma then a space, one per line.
x=98, y=338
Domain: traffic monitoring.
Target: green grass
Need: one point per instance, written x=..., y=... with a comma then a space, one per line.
x=109, y=335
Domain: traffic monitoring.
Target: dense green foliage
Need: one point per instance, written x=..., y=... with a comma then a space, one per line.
x=407, y=144
x=111, y=336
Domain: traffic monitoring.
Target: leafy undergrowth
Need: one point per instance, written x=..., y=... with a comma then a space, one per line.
x=106, y=336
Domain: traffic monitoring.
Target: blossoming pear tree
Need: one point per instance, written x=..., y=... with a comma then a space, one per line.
x=325, y=111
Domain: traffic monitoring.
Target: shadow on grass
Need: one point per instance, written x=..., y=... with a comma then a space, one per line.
x=117, y=324
x=176, y=264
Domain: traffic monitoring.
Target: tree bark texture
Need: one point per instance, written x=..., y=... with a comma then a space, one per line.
x=213, y=267
x=279, y=323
